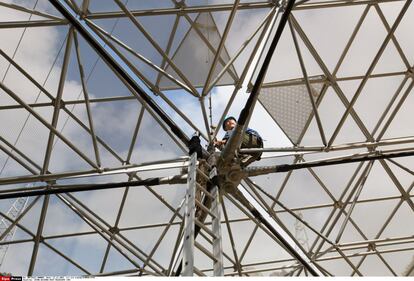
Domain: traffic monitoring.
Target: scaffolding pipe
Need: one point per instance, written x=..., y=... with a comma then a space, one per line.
x=256, y=171
x=57, y=189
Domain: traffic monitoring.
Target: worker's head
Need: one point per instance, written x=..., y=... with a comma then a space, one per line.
x=229, y=123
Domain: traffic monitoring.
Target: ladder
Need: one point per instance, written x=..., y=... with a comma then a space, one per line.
x=15, y=210
x=201, y=201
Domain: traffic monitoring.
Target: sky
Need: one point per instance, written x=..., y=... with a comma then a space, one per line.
x=115, y=122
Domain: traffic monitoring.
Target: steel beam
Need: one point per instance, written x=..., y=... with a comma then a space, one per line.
x=101, y=230
x=283, y=236
x=57, y=102
x=29, y=11
x=157, y=47
x=263, y=25
x=56, y=189
x=346, y=146
x=126, y=169
x=370, y=70
x=216, y=227
x=362, y=157
x=220, y=47
x=303, y=4
x=36, y=23
x=227, y=7
x=86, y=97
x=189, y=220
x=116, y=63
x=262, y=66
x=308, y=86
x=37, y=238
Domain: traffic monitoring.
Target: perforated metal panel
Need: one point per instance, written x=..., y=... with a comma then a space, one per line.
x=194, y=57
x=290, y=106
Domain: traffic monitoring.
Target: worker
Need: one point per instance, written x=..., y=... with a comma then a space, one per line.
x=251, y=139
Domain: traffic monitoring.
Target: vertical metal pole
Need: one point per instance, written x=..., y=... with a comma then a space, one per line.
x=216, y=227
x=189, y=219
x=37, y=238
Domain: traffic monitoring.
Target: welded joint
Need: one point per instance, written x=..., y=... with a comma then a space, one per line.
x=131, y=175
x=405, y=196
x=50, y=183
x=275, y=2
x=238, y=86
x=378, y=152
x=410, y=72
x=156, y=90
x=180, y=5
x=114, y=230
x=372, y=149
x=330, y=81
x=372, y=246
x=61, y=103
x=278, y=3
x=338, y=204
x=300, y=158
x=101, y=170
x=327, y=148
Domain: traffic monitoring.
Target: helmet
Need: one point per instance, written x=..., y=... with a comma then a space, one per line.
x=227, y=119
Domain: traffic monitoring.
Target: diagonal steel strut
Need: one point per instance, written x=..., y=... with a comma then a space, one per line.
x=119, y=65
x=123, y=69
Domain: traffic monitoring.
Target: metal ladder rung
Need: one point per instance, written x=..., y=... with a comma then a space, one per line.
x=205, y=191
x=205, y=251
x=202, y=174
x=198, y=271
x=206, y=238
x=201, y=225
x=198, y=203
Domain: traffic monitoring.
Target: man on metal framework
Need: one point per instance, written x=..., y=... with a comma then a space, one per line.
x=251, y=139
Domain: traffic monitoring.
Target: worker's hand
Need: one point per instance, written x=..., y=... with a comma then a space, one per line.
x=219, y=143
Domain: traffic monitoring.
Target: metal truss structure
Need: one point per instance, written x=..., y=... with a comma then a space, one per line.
x=15, y=210
x=98, y=100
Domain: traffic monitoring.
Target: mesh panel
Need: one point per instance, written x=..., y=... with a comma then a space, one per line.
x=290, y=106
x=194, y=58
